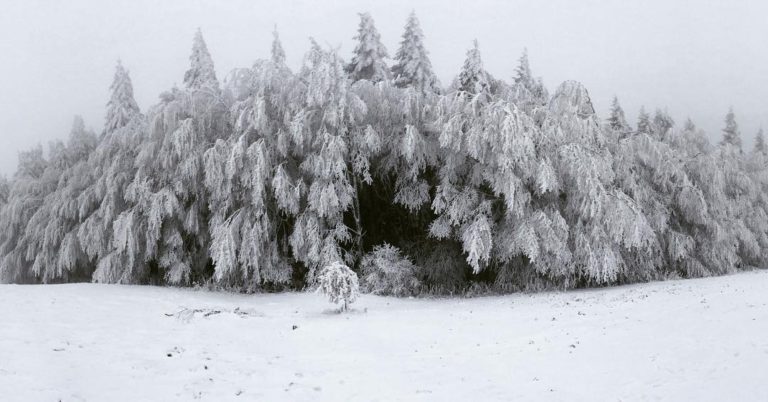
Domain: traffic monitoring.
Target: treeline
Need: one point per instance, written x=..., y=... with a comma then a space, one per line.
x=256, y=183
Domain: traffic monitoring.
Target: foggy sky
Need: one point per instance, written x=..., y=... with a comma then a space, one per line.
x=695, y=58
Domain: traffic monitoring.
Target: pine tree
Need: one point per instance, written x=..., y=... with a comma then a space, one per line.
x=369, y=54
x=473, y=79
x=662, y=123
x=201, y=73
x=278, y=54
x=412, y=66
x=760, y=146
x=617, y=121
x=527, y=92
x=644, y=122
x=121, y=107
x=689, y=125
x=731, y=133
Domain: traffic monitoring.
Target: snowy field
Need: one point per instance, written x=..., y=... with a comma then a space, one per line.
x=697, y=340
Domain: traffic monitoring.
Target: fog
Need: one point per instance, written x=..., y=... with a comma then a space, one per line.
x=695, y=58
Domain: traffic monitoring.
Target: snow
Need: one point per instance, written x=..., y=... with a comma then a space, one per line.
x=702, y=339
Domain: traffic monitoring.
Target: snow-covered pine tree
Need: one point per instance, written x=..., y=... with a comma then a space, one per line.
x=617, y=121
x=201, y=73
x=731, y=133
x=412, y=65
x=278, y=54
x=644, y=124
x=527, y=92
x=322, y=131
x=110, y=169
x=122, y=107
x=368, y=58
x=689, y=125
x=662, y=123
x=473, y=79
x=52, y=230
x=168, y=199
x=27, y=192
x=760, y=146
x=5, y=189
x=250, y=179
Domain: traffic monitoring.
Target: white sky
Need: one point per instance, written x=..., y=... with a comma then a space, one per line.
x=695, y=58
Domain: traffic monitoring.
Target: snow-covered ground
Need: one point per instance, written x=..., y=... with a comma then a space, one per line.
x=697, y=340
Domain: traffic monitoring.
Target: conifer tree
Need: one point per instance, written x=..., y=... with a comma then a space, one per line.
x=278, y=54
x=110, y=169
x=201, y=73
x=644, y=125
x=731, y=133
x=662, y=123
x=689, y=125
x=121, y=107
x=760, y=146
x=412, y=65
x=369, y=54
x=617, y=120
x=473, y=79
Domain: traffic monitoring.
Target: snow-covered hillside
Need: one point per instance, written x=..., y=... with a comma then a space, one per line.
x=696, y=340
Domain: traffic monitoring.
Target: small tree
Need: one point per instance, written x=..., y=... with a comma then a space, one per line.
x=731, y=133
x=339, y=283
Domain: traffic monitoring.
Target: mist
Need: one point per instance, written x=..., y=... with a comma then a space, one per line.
x=694, y=58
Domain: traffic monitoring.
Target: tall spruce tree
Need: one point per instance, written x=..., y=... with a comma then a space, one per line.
x=412, y=66
x=278, y=54
x=473, y=79
x=121, y=107
x=760, y=146
x=731, y=133
x=369, y=54
x=201, y=72
x=617, y=120
x=644, y=125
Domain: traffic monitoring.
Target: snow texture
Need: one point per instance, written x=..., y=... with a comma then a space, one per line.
x=700, y=339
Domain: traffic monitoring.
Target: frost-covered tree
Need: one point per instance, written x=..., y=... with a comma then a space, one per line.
x=4, y=190
x=527, y=92
x=201, y=73
x=473, y=79
x=323, y=133
x=122, y=107
x=163, y=237
x=662, y=123
x=278, y=54
x=109, y=170
x=27, y=192
x=617, y=121
x=412, y=65
x=689, y=125
x=247, y=177
x=644, y=124
x=368, y=57
x=339, y=283
x=760, y=146
x=731, y=133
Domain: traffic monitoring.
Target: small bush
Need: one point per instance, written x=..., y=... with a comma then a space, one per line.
x=387, y=272
x=339, y=283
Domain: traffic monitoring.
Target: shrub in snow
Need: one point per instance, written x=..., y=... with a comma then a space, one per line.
x=387, y=272
x=339, y=283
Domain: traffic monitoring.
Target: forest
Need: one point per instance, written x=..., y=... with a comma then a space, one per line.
x=258, y=181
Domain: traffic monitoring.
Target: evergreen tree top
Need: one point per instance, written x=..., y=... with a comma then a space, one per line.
x=369, y=54
x=121, y=107
x=731, y=133
x=201, y=72
x=472, y=78
x=413, y=67
x=278, y=54
x=760, y=145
